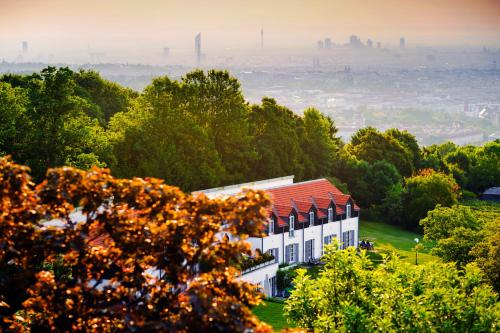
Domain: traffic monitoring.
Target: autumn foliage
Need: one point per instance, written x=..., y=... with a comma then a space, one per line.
x=143, y=256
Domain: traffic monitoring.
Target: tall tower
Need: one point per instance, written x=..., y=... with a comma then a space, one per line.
x=262, y=38
x=197, y=48
x=24, y=46
x=402, y=42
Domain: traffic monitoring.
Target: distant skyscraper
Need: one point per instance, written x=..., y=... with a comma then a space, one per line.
x=261, y=38
x=379, y=45
x=320, y=45
x=328, y=43
x=355, y=41
x=166, y=51
x=197, y=48
x=315, y=61
x=402, y=42
x=369, y=43
x=25, y=46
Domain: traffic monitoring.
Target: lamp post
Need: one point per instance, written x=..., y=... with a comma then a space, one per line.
x=416, y=251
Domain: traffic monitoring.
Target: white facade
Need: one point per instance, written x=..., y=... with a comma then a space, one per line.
x=349, y=228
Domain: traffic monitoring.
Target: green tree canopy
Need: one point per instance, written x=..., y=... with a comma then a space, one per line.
x=276, y=140
x=351, y=295
x=319, y=144
x=370, y=145
x=424, y=191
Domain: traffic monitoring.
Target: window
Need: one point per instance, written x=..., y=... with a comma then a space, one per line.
x=347, y=239
x=330, y=214
x=348, y=210
x=328, y=239
x=292, y=226
x=309, y=250
x=272, y=286
x=275, y=253
x=311, y=218
x=292, y=252
x=271, y=226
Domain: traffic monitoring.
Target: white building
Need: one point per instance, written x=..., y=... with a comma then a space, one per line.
x=303, y=218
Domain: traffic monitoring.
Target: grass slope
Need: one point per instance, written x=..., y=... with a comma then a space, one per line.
x=272, y=314
x=389, y=238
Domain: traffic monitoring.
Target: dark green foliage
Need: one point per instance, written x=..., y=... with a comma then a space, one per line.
x=423, y=192
x=52, y=124
x=107, y=97
x=276, y=140
x=319, y=144
x=370, y=145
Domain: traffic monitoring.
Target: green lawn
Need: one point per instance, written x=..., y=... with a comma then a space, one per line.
x=390, y=238
x=272, y=314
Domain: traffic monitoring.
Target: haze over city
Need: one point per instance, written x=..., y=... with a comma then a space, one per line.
x=59, y=30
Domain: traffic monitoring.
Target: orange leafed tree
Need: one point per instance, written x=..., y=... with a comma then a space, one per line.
x=143, y=257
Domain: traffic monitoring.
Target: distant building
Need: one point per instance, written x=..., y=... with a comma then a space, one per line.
x=166, y=51
x=491, y=194
x=402, y=42
x=197, y=48
x=328, y=43
x=354, y=41
x=315, y=61
x=379, y=45
x=320, y=45
x=369, y=43
x=24, y=46
x=261, y=38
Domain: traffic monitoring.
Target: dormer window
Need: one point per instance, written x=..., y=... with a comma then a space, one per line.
x=348, y=210
x=311, y=218
x=271, y=226
x=330, y=214
x=291, y=232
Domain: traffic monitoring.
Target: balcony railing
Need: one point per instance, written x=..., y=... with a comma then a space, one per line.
x=259, y=266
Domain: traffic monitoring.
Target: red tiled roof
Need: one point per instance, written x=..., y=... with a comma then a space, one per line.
x=303, y=196
x=323, y=203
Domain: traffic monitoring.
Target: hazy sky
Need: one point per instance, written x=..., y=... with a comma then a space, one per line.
x=101, y=24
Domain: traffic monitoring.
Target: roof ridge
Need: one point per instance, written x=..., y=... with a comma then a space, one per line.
x=300, y=183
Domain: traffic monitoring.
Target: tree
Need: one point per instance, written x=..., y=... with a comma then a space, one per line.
x=350, y=295
x=455, y=231
x=465, y=234
x=215, y=101
x=485, y=171
x=319, y=144
x=381, y=177
x=424, y=191
x=409, y=141
x=13, y=102
x=276, y=140
x=55, y=123
x=370, y=145
x=143, y=256
x=107, y=97
x=158, y=138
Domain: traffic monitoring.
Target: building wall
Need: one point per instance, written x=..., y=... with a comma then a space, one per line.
x=318, y=232
x=261, y=277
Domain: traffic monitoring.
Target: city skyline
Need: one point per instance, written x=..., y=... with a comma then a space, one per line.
x=60, y=26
